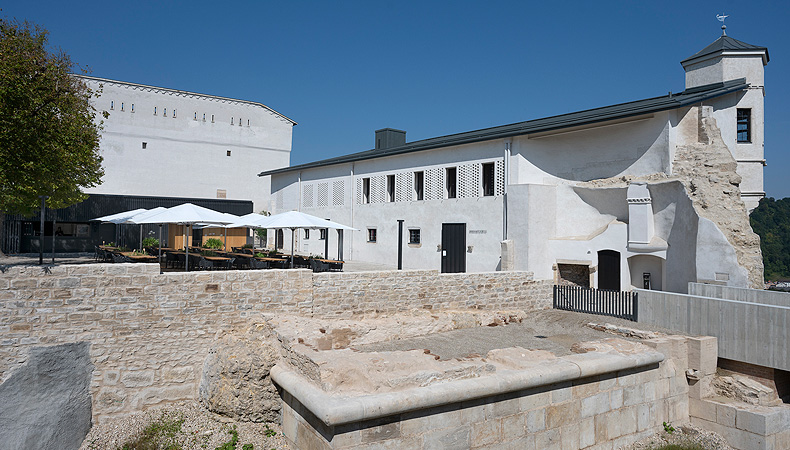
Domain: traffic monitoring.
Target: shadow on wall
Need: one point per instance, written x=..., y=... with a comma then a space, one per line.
x=46, y=403
x=636, y=148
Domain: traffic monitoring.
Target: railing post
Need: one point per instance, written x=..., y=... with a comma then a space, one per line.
x=636, y=306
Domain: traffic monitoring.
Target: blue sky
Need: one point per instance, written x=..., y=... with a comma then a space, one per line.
x=343, y=69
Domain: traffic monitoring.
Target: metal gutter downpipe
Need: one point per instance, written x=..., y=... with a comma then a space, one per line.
x=353, y=199
x=507, y=181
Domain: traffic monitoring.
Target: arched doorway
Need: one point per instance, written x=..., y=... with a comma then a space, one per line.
x=609, y=270
x=278, y=239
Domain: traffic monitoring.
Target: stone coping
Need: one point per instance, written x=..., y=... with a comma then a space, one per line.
x=335, y=410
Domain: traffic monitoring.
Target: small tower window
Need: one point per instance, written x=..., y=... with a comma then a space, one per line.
x=239, y=121
x=451, y=182
x=231, y=120
x=154, y=110
x=164, y=112
x=212, y=118
x=248, y=122
x=204, y=117
x=145, y=144
x=744, y=125
x=132, y=107
x=174, y=113
x=121, y=106
x=488, y=179
x=195, y=115
x=228, y=153
x=112, y=105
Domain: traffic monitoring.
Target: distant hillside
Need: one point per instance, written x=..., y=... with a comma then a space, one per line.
x=771, y=220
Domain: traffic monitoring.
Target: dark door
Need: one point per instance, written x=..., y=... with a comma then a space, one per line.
x=453, y=247
x=197, y=237
x=609, y=270
x=278, y=239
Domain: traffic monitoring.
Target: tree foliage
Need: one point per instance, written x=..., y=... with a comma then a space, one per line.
x=771, y=220
x=49, y=141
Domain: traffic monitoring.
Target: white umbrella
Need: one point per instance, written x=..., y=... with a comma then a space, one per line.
x=251, y=220
x=119, y=218
x=187, y=214
x=297, y=219
x=144, y=215
x=230, y=217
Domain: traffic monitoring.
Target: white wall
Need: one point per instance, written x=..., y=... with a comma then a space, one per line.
x=185, y=157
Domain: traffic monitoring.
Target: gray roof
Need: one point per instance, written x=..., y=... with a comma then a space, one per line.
x=590, y=116
x=728, y=44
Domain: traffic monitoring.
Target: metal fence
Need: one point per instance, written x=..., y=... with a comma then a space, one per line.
x=624, y=305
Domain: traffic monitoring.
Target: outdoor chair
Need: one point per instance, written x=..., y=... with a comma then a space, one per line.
x=119, y=258
x=336, y=266
x=241, y=263
x=258, y=264
x=318, y=266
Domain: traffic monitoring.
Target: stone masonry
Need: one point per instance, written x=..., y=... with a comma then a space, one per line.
x=150, y=333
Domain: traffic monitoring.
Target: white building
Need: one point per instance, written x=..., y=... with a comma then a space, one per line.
x=552, y=195
x=167, y=142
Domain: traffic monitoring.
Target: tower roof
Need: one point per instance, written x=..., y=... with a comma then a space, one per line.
x=727, y=44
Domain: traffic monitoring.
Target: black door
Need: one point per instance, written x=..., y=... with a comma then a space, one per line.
x=609, y=270
x=197, y=237
x=278, y=239
x=453, y=247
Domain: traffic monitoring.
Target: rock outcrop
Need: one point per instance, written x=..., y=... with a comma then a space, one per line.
x=46, y=402
x=236, y=382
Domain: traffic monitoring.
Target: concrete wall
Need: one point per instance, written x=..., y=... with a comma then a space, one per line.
x=185, y=155
x=762, y=297
x=150, y=332
x=750, y=332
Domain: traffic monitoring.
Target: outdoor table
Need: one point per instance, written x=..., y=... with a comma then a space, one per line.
x=140, y=258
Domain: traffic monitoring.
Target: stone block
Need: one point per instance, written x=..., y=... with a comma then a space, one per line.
x=536, y=420
x=561, y=392
x=587, y=432
x=559, y=415
x=447, y=438
x=486, y=432
x=137, y=378
x=633, y=395
x=764, y=422
x=616, y=399
x=513, y=426
x=597, y=404
x=701, y=388
x=628, y=420
x=703, y=354
x=613, y=422
x=548, y=440
x=725, y=415
x=533, y=401
x=569, y=435
x=381, y=432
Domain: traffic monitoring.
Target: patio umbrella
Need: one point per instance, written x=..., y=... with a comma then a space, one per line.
x=144, y=215
x=119, y=218
x=298, y=219
x=187, y=214
x=231, y=217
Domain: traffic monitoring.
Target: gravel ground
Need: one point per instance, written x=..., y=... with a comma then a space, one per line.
x=683, y=435
x=200, y=430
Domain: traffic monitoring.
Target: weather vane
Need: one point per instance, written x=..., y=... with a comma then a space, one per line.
x=720, y=18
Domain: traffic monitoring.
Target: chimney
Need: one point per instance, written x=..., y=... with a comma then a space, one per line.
x=389, y=137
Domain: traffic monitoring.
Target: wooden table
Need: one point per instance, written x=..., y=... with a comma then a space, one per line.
x=140, y=258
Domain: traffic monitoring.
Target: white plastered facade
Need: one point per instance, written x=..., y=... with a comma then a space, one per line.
x=166, y=142
x=544, y=208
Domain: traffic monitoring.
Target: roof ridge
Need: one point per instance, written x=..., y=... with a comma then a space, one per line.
x=584, y=117
x=726, y=43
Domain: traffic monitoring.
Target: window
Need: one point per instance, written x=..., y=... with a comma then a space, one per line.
x=174, y=113
x=371, y=235
x=132, y=107
x=322, y=236
x=414, y=236
x=390, y=188
x=112, y=105
x=744, y=125
x=366, y=190
x=307, y=233
x=228, y=153
x=195, y=115
x=222, y=193
x=212, y=118
x=204, y=117
x=231, y=120
x=145, y=144
x=419, y=183
x=452, y=179
x=164, y=112
x=488, y=179
x=248, y=122
x=154, y=110
x=121, y=106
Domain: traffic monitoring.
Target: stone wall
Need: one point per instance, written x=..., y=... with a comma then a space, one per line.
x=150, y=333
x=344, y=294
x=605, y=411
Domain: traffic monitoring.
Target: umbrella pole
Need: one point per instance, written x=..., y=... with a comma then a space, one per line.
x=293, y=231
x=225, y=244
x=159, y=259
x=141, y=237
x=186, y=259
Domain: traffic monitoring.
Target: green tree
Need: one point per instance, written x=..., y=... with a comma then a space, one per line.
x=771, y=221
x=261, y=232
x=49, y=140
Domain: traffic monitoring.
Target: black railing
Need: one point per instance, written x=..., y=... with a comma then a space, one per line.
x=624, y=305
